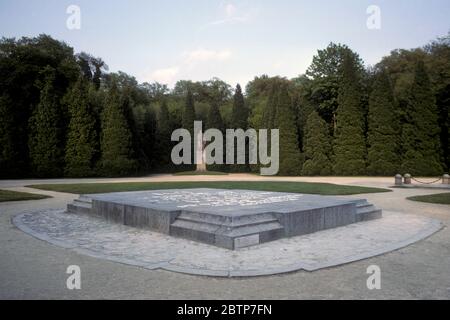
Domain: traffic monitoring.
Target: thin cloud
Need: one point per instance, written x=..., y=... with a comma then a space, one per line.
x=166, y=75
x=191, y=61
x=202, y=55
x=230, y=9
x=231, y=14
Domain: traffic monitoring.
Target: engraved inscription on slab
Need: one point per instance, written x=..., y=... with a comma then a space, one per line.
x=188, y=199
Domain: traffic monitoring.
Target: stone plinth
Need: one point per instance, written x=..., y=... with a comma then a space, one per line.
x=230, y=219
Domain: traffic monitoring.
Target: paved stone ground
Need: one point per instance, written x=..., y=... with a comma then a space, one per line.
x=34, y=269
x=151, y=250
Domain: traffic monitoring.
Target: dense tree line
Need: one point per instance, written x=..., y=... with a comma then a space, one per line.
x=64, y=114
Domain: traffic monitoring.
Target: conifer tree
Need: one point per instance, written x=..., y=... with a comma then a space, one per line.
x=317, y=146
x=349, y=143
x=164, y=136
x=239, y=116
x=214, y=119
x=239, y=120
x=81, y=144
x=8, y=154
x=189, y=113
x=270, y=110
x=116, y=139
x=420, y=132
x=45, y=145
x=383, y=131
x=290, y=157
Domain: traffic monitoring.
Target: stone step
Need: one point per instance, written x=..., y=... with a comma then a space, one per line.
x=253, y=229
x=73, y=208
x=368, y=213
x=361, y=203
x=83, y=198
x=80, y=205
x=225, y=235
x=227, y=229
x=232, y=222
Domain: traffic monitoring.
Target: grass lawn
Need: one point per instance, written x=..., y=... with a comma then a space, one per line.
x=440, y=198
x=196, y=173
x=296, y=187
x=6, y=195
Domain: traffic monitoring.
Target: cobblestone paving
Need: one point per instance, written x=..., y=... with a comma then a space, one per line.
x=97, y=238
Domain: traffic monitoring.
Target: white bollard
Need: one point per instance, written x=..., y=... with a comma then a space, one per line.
x=407, y=178
x=398, y=180
x=446, y=179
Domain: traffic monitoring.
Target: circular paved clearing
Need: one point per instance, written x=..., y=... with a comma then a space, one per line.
x=151, y=250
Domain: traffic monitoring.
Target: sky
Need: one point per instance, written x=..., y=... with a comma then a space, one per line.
x=236, y=40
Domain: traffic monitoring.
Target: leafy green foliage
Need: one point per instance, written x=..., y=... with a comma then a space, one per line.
x=189, y=115
x=116, y=139
x=22, y=62
x=239, y=117
x=82, y=142
x=326, y=74
x=420, y=132
x=349, y=144
x=239, y=120
x=41, y=102
x=214, y=119
x=8, y=154
x=317, y=147
x=290, y=157
x=45, y=141
x=383, y=131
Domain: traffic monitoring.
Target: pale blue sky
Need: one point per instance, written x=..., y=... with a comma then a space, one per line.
x=169, y=40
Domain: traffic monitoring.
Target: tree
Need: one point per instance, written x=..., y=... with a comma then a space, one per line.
x=116, y=139
x=189, y=113
x=239, y=120
x=163, y=136
x=317, y=146
x=270, y=111
x=383, y=130
x=420, y=132
x=444, y=107
x=239, y=117
x=326, y=73
x=349, y=143
x=146, y=130
x=8, y=154
x=22, y=62
x=438, y=66
x=290, y=157
x=211, y=91
x=91, y=68
x=98, y=65
x=214, y=119
x=81, y=146
x=46, y=147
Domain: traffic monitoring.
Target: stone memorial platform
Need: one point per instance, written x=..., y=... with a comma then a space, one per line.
x=230, y=219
